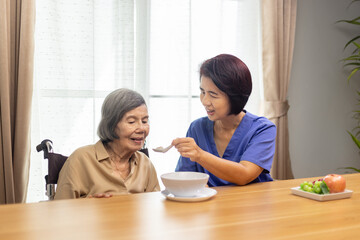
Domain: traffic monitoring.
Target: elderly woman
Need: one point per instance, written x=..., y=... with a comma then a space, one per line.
x=232, y=145
x=113, y=165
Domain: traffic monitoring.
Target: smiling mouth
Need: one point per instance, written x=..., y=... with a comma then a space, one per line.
x=210, y=112
x=137, y=140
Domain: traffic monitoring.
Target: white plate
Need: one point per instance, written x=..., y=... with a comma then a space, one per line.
x=321, y=197
x=203, y=195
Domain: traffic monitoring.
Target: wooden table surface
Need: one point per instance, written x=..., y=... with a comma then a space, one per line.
x=257, y=211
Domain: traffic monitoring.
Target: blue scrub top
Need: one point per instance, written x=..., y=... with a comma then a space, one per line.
x=253, y=141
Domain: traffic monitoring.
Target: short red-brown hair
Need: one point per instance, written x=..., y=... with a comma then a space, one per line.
x=230, y=75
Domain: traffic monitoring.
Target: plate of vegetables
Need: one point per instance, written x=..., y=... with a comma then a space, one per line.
x=331, y=187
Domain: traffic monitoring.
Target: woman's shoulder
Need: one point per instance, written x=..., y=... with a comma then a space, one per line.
x=258, y=120
x=83, y=152
x=258, y=124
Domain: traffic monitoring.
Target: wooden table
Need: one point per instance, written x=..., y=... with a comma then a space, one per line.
x=257, y=211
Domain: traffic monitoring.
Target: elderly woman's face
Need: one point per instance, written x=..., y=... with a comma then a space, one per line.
x=133, y=128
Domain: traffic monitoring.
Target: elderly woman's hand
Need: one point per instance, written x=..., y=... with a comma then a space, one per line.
x=188, y=148
x=100, y=195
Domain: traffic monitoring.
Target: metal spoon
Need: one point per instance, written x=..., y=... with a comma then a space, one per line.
x=161, y=149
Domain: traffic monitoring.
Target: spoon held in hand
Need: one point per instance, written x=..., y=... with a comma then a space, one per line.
x=162, y=149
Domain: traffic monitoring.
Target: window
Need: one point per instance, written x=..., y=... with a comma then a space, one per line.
x=85, y=49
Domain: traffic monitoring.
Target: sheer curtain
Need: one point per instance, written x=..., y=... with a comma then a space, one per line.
x=85, y=49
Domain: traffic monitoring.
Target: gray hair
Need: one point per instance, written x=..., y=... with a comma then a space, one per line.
x=114, y=107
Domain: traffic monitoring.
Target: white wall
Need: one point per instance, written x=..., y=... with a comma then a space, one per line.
x=321, y=101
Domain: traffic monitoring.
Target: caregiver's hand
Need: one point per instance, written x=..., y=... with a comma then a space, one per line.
x=188, y=148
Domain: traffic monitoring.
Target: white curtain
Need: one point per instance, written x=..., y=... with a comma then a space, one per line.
x=83, y=50
x=87, y=48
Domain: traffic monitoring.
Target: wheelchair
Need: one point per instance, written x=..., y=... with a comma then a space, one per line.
x=55, y=163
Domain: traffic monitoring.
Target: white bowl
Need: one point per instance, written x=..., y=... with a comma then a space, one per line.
x=184, y=184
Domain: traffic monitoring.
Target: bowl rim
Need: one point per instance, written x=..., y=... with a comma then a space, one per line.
x=203, y=176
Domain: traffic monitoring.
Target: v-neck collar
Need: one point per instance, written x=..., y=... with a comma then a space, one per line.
x=230, y=148
x=102, y=154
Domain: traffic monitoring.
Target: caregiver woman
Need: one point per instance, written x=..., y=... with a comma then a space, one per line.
x=232, y=145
